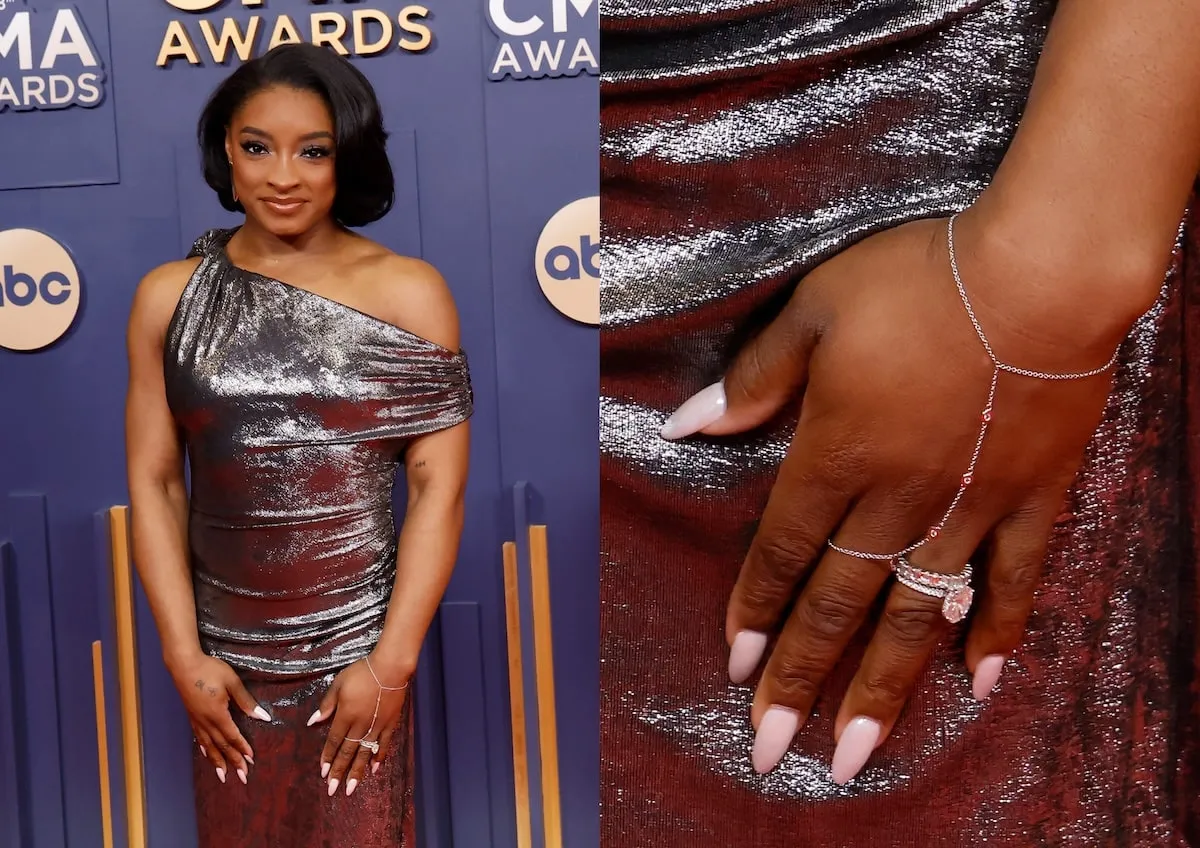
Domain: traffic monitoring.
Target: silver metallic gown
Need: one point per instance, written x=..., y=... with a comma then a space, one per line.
x=743, y=143
x=296, y=411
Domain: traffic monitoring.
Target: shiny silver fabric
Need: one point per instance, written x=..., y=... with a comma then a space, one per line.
x=743, y=143
x=296, y=411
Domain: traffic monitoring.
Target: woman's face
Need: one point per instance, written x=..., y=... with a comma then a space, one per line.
x=280, y=144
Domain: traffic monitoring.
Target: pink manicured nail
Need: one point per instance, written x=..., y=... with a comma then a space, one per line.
x=854, y=748
x=374, y=768
x=249, y=759
x=260, y=713
x=314, y=718
x=745, y=654
x=350, y=784
x=333, y=785
x=241, y=775
x=203, y=752
x=221, y=775
x=324, y=770
x=775, y=733
x=696, y=413
x=987, y=675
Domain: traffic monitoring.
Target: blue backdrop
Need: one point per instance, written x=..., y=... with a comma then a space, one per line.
x=97, y=150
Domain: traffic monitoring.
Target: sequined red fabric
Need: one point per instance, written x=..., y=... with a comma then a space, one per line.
x=742, y=144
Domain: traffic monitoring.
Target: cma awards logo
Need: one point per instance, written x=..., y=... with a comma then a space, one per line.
x=47, y=59
x=39, y=290
x=532, y=47
x=568, y=260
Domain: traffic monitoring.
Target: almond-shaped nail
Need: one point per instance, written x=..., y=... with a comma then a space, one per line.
x=221, y=775
x=350, y=785
x=324, y=770
x=262, y=714
x=241, y=773
x=987, y=675
x=249, y=759
x=375, y=768
x=745, y=654
x=696, y=413
x=854, y=748
x=775, y=733
x=203, y=752
x=333, y=785
x=314, y=718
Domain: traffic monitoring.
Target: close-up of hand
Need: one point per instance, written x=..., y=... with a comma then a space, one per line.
x=893, y=383
x=361, y=710
x=209, y=688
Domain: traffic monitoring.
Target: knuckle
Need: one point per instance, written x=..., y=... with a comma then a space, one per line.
x=794, y=683
x=912, y=627
x=1015, y=583
x=829, y=615
x=885, y=689
x=782, y=555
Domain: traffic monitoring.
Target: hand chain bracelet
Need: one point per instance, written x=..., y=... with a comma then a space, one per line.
x=373, y=746
x=897, y=560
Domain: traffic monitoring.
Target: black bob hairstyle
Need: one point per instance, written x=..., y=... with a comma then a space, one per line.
x=366, y=187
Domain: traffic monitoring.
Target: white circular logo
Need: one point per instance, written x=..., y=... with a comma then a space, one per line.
x=568, y=260
x=39, y=290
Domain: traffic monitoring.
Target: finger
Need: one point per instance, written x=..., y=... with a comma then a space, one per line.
x=345, y=756
x=810, y=497
x=328, y=703
x=245, y=701
x=909, y=629
x=824, y=619
x=338, y=732
x=1015, y=564
x=766, y=374
x=358, y=768
x=204, y=741
x=385, y=741
x=234, y=747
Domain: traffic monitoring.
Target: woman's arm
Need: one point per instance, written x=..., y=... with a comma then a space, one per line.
x=1086, y=205
x=154, y=463
x=436, y=467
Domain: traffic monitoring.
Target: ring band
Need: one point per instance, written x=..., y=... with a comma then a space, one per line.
x=954, y=589
x=373, y=747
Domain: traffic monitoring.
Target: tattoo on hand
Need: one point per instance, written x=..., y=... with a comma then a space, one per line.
x=420, y=464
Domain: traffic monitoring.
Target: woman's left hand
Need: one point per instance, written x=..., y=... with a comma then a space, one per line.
x=351, y=701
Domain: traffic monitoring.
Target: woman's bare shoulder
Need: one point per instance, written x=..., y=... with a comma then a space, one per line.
x=158, y=294
x=410, y=293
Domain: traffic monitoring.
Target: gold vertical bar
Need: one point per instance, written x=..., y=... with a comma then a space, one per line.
x=106, y=820
x=516, y=688
x=131, y=715
x=539, y=562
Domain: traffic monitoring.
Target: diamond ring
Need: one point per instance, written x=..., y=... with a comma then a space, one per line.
x=954, y=589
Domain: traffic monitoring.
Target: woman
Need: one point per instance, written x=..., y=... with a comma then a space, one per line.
x=297, y=364
x=779, y=180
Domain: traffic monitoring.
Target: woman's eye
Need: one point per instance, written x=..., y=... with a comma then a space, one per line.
x=254, y=148
x=316, y=152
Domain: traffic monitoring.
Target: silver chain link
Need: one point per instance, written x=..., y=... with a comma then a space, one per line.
x=985, y=418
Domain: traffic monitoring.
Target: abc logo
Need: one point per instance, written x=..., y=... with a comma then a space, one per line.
x=39, y=290
x=568, y=260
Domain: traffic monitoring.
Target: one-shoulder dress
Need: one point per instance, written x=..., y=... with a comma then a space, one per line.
x=296, y=410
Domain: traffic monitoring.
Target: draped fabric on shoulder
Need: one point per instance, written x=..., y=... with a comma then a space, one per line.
x=296, y=411
x=743, y=143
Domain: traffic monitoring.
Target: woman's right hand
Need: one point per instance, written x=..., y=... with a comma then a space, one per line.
x=208, y=687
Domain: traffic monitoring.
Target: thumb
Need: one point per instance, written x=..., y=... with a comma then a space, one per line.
x=242, y=697
x=328, y=703
x=766, y=374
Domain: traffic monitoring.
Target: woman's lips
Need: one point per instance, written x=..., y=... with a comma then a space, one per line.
x=283, y=205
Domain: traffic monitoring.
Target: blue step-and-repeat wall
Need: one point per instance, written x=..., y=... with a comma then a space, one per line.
x=493, y=111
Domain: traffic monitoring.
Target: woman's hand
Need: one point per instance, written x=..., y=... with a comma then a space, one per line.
x=208, y=686
x=361, y=709
x=895, y=382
